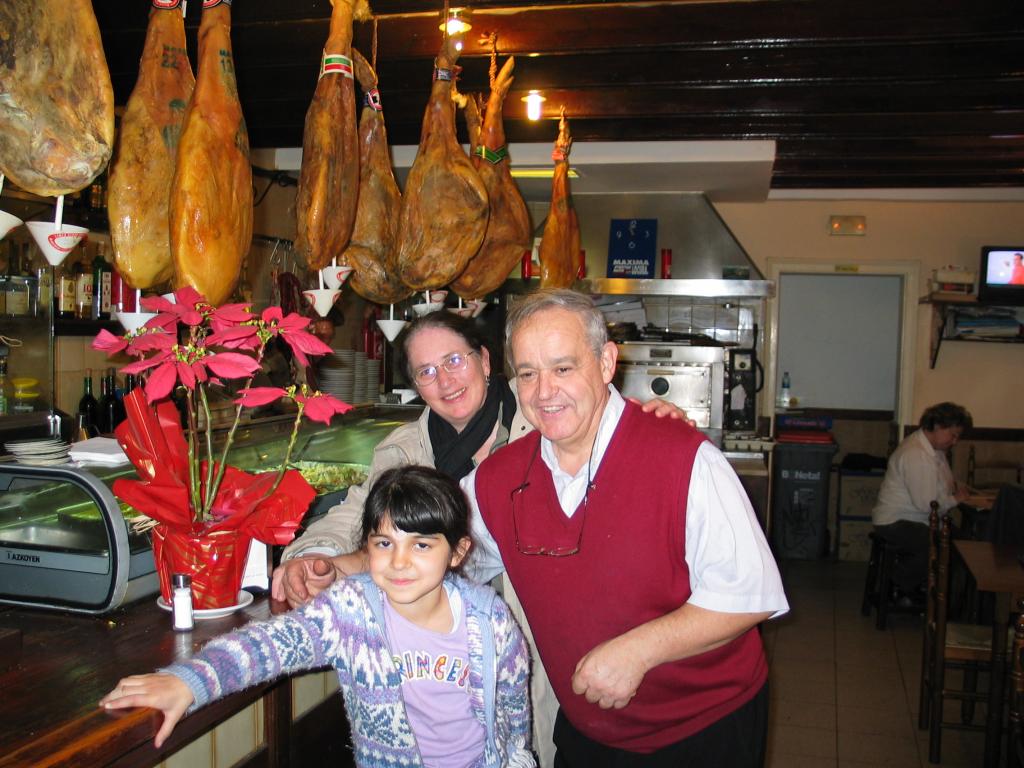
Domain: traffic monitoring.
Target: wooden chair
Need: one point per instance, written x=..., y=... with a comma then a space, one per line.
x=947, y=646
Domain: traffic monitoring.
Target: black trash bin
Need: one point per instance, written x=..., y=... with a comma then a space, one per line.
x=803, y=465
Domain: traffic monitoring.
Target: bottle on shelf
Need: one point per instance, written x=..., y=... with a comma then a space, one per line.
x=111, y=409
x=4, y=396
x=784, y=392
x=83, y=287
x=101, y=285
x=64, y=289
x=88, y=409
x=105, y=410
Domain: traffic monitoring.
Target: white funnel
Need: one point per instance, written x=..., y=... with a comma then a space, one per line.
x=335, y=277
x=7, y=223
x=391, y=328
x=426, y=309
x=322, y=299
x=55, y=244
x=132, y=321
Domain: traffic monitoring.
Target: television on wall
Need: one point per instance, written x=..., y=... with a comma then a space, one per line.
x=1001, y=275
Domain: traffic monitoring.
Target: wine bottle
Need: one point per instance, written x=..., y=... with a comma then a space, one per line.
x=111, y=408
x=88, y=408
x=4, y=400
x=64, y=291
x=84, y=288
x=101, y=276
x=105, y=409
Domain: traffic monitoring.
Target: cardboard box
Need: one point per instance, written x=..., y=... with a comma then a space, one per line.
x=854, y=544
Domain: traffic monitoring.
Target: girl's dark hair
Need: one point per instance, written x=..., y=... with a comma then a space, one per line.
x=446, y=321
x=417, y=500
x=946, y=415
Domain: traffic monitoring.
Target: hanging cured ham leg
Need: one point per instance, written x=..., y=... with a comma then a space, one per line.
x=444, y=209
x=325, y=206
x=211, y=195
x=56, y=101
x=508, y=231
x=138, y=199
x=560, y=245
x=371, y=252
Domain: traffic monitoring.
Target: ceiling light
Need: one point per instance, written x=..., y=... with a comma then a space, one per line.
x=533, y=101
x=539, y=173
x=457, y=22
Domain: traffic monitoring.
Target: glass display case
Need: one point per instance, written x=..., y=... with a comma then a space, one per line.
x=26, y=325
x=64, y=539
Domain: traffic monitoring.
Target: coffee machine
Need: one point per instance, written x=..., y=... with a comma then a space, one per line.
x=744, y=380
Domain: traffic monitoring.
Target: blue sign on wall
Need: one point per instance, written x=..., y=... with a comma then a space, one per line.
x=631, y=248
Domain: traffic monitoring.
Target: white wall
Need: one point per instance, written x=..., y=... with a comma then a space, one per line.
x=983, y=377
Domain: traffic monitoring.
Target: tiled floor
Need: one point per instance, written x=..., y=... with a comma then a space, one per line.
x=842, y=692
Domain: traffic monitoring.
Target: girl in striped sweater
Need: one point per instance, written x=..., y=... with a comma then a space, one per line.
x=432, y=667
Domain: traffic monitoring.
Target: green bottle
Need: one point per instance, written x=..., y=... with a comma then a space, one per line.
x=4, y=406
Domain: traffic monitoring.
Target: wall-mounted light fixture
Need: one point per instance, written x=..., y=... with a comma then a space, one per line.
x=533, y=101
x=457, y=22
x=847, y=225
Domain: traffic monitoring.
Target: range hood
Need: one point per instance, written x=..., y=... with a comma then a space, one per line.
x=704, y=249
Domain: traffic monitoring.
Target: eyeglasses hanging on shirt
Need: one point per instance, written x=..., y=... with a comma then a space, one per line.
x=525, y=520
x=453, y=363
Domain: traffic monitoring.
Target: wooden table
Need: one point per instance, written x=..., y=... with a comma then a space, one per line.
x=48, y=711
x=995, y=569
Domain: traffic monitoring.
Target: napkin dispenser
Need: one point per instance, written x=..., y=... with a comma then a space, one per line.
x=65, y=545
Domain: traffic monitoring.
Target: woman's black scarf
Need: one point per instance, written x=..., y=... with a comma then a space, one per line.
x=453, y=450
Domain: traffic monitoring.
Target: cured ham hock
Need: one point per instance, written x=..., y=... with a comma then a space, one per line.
x=508, y=230
x=325, y=205
x=211, y=195
x=371, y=251
x=560, y=244
x=138, y=200
x=57, y=105
x=444, y=209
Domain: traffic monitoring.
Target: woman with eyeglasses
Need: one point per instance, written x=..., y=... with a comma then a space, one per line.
x=471, y=412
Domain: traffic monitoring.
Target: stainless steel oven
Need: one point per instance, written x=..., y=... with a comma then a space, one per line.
x=690, y=377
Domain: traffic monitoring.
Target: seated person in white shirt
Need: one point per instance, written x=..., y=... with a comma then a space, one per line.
x=636, y=556
x=917, y=475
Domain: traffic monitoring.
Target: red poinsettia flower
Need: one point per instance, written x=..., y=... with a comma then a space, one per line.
x=231, y=314
x=292, y=328
x=183, y=309
x=253, y=397
x=235, y=337
x=231, y=365
x=107, y=342
x=322, y=407
x=147, y=342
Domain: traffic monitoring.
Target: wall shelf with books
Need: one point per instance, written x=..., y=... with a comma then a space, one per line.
x=962, y=318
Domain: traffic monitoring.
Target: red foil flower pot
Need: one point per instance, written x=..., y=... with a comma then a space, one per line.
x=215, y=562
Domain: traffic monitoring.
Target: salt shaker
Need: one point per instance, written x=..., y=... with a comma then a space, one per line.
x=181, y=602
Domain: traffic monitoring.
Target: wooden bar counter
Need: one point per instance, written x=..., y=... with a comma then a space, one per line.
x=48, y=707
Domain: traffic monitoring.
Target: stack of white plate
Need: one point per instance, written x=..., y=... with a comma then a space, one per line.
x=359, y=393
x=337, y=374
x=372, y=381
x=44, y=451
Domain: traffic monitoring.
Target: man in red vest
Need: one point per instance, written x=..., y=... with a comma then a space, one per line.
x=636, y=556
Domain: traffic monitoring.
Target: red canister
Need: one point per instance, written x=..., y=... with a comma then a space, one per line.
x=122, y=297
x=666, y=263
x=527, y=268
x=581, y=272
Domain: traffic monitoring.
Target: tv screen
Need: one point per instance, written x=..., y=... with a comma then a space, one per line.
x=1001, y=276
